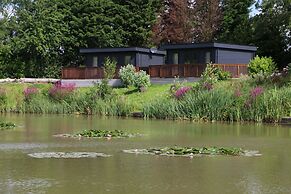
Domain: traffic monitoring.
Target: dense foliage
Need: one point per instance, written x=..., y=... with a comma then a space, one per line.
x=38, y=37
x=261, y=65
x=130, y=77
x=41, y=34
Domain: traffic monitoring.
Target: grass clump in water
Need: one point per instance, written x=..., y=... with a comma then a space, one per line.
x=7, y=125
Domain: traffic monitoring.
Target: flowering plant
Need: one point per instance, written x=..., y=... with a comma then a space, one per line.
x=61, y=91
x=181, y=92
x=30, y=92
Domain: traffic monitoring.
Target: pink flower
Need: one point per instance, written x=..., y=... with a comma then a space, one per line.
x=30, y=92
x=257, y=91
x=181, y=92
x=60, y=91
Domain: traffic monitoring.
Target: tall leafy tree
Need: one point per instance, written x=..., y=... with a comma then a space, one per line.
x=173, y=24
x=43, y=33
x=137, y=19
x=206, y=16
x=272, y=32
x=236, y=26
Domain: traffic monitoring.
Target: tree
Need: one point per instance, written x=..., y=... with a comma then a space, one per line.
x=45, y=33
x=137, y=20
x=173, y=24
x=272, y=32
x=206, y=16
x=236, y=26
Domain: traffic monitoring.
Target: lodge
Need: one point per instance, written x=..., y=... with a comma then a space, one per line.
x=183, y=60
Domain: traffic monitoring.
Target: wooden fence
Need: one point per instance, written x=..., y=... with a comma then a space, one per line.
x=162, y=71
x=86, y=72
x=194, y=70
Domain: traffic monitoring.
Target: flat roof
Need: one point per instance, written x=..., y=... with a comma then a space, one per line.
x=122, y=49
x=209, y=45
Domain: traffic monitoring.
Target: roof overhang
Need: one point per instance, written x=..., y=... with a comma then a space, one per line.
x=122, y=49
x=208, y=45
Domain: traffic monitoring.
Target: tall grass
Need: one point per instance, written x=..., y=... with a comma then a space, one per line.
x=223, y=105
x=78, y=104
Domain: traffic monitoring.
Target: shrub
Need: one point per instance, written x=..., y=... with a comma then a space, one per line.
x=30, y=93
x=213, y=74
x=142, y=80
x=102, y=90
x=61, y=91
x=109, y=68
x=127, y=75
x=261, y=65
x=130, y=77
x=282, y=78
x=52, y=71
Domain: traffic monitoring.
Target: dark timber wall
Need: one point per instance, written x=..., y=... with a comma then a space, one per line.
x=228, y=56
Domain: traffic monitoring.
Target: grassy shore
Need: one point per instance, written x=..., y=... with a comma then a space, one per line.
x=232, y=100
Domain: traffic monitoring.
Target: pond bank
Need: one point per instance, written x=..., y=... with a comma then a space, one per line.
x=229, y=101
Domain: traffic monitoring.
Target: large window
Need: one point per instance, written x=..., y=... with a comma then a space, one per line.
x=127, y=60
x=95, y=61
x=175, y=58
x=207, y=57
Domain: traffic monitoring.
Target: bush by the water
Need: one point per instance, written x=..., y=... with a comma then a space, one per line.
x=127, y=75
x=261, y=65
x=130, y=77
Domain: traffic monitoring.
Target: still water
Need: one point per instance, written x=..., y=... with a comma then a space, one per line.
x=142, y=174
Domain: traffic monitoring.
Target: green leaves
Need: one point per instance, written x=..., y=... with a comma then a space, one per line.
x=50, y=32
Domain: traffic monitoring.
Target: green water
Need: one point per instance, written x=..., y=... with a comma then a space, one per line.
x=142, y=174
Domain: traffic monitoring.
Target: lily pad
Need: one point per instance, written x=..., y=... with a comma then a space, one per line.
x=192, y=151
x=6, y=125
x=98, y=134
x=67, y=155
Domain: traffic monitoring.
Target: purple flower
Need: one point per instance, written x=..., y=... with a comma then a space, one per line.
x=257, y=91
x=181, y=92
x=30, y=92
x=207, y=86
x=60, y=91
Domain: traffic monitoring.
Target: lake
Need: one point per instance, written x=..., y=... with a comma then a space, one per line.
x=142, y=174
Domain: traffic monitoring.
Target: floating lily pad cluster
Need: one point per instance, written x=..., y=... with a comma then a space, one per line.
x=190, y=151
x=92, y=133
x=104, y=133
x=67, y=155
x=7, y=125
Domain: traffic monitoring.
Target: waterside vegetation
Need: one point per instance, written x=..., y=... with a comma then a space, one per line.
x=261, y=97
x=193, y=151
